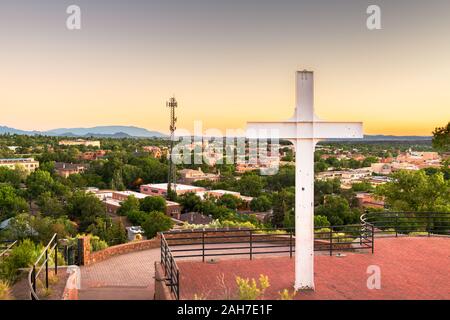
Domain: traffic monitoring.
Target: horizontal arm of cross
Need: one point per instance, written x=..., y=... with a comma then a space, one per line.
x=305, y=130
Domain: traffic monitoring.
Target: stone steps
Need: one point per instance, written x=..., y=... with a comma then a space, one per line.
x=116, y=293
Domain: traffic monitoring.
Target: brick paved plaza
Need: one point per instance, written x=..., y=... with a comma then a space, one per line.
x=411, y=268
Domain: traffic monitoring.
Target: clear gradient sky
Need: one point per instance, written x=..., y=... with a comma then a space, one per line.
x=226, y=61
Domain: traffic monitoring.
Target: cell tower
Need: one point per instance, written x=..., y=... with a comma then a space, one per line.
x=172, y=176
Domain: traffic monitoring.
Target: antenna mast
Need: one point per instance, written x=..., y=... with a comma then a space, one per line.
x=172, y=176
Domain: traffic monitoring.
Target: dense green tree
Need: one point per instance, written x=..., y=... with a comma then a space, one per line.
x=190, y=202
x=132, y=176
x=153, y=170
x=250, y=185
x=48, y=166
x=137, y=217
x=85, y=208
x=78, y=181
x=156, y=222
x=416, y=191
x=155, y=203
x=320, y=166
x=39, y=182
x=283, y=179
x=325, y=187
x=38, y=228
x=367, y=162
x=117, y=181
x=50, y=205
x=441, y=138
x=321, y=221
x=362, y=186
x=130, y=204
x=283, y=204
x=113, y=232
x=10, y=202
x=13, y=177
x=337, y=210
x=229, y=201
x=261, y=204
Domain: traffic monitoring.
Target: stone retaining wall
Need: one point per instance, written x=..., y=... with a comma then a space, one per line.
x=162, y=291
x=98, y=256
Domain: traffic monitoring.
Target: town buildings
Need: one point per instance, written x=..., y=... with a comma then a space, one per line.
x=66, y=169
x=160, y=189
x=195, y=218
x=346, y=176
x=368, y=200
x=154, y=151
x=113, y=199
x=80, y=142
x=189, y=176
x=93, y=155
x=29, y=164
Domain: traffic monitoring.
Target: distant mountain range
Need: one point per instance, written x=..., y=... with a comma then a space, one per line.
x=100, y=131
x=396, y=138
x=131, y=131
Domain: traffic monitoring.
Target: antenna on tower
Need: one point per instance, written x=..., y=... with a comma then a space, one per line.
x=172, y=175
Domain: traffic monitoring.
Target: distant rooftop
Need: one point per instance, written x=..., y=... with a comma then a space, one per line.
x=17, y=160
x=179, y=187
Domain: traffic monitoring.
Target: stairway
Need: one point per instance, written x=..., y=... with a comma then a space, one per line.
x=116, y=293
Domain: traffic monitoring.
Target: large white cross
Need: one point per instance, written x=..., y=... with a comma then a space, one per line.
x=304, y=130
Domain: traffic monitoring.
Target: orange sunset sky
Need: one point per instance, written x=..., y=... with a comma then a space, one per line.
x=227, y=62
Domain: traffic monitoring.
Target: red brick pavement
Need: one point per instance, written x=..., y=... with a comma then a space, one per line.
x=124, y=277
x=411, y=268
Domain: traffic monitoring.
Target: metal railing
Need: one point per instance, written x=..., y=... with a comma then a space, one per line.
x=171, y=271
x=408, y=223
x=251, y=242
x=230, y=242
x=6, y=248
x=42, y=263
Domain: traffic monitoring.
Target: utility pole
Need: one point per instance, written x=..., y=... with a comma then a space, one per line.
x=172, y=176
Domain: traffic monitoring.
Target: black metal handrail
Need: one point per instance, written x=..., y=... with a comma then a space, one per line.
x=8, y=248
x=39, y=265
x=204, y=243
x=408, y=223
x=171, y=271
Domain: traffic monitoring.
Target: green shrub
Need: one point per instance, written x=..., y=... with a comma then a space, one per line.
x=275, y=232
x=286, y=295
x=321, y=221
x=137, y=217
x=216, y=224
x=97, y=244
x=418, y=234
x=250, y=290
x=5, y=291
x=22, y=255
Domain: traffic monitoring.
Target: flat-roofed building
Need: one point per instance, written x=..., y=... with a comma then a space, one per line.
x=368, y=200
x=155, y=151
x=160, y=189
x=66, y=169
x=220, y=193
x=190, y=176
x=93, y=155
x=381, y=168
x=29, y=164
x=80, y=142
x=113, y=201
